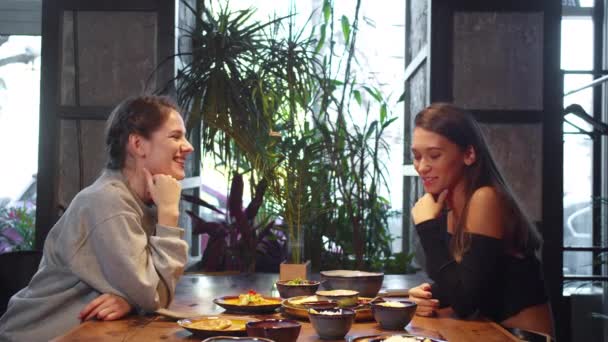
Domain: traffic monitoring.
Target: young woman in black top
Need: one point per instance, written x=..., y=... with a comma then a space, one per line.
x=480, y=248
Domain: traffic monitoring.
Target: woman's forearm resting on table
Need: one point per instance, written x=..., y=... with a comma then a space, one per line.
x=143, y=270
x=461, y=285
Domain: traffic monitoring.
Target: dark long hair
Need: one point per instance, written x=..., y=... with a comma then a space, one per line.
x=140, y=115
x=460, y=128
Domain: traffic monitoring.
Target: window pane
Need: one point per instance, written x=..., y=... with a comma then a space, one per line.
x=577, y=3
x=577, y=171
x=586, y=3
x=577, y=43
x=382, y=43
x=19, y=111
x=584, y=98
x=577, y=190
x=19, y=108
x=578, y=263
x=578, y=149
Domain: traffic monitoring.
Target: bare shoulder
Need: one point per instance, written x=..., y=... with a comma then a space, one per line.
x=485, y=215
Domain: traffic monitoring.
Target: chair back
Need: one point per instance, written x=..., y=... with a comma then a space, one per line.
x=16, y=271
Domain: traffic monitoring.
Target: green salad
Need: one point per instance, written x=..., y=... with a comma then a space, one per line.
x=297, y=281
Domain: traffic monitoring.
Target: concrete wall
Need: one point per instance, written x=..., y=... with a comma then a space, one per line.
x=498, y=65
x=105, y=57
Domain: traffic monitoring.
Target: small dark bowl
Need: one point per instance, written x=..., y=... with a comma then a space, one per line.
x=307, y=289
x=279, y=330
x=366, y=283
x=332, y=327
x=393, y=318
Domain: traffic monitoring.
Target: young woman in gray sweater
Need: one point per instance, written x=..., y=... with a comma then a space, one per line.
x=117, y=248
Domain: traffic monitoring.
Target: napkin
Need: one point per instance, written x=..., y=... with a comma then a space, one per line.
x=173, y=314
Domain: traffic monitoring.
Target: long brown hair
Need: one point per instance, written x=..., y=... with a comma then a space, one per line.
x=460, y=128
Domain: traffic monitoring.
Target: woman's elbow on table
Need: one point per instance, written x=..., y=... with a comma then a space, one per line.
x=464, y=310
x=465, y=304
x=149, y=299
x=149, y=305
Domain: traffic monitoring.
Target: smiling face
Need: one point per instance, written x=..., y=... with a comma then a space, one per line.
x=439, y=162
x=167, y=148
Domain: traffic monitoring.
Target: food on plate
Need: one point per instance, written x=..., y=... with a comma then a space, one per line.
x=213, y=324
x=326, y=312
x=392, y=304
x=304, y=300
x=250, y=298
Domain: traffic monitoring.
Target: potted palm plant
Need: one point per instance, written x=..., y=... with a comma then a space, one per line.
x=272, y=105
x=294, y=191
x=244, y=83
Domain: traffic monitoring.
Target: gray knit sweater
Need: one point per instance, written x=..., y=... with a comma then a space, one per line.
x=107, y=241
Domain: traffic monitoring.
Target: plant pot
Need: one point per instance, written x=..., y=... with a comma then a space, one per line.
x=293, y=271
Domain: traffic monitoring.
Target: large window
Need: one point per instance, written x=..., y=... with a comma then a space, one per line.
x=577, y=63
x=19, y=107
x=584, y=135
x=380, y=59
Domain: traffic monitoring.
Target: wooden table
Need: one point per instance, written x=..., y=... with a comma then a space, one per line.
x=195, y=293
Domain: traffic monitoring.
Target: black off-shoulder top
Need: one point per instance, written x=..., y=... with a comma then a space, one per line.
x=487, y=281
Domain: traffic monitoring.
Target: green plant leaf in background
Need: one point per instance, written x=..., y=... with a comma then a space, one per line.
x=345, y=28
x=401, y=97
x=275, y=100
x=326, y=10
x=383, y=112
x=357, y=95
x=17, y=228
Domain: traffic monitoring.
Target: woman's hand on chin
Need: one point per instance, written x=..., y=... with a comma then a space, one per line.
x=427, y=208
x=165, y=192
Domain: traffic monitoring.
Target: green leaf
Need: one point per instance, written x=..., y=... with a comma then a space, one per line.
x=383, y=200
x=383, y=112
x=345, y=29
x=357, y=95
x=390, y=121
x=321, y=39
x=374, y=93
x=402, y=97
x=326, y=10
x=371, y=129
